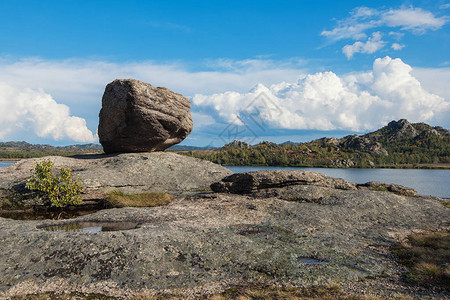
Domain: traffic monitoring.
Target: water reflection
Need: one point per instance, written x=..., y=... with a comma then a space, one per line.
x=91, y=226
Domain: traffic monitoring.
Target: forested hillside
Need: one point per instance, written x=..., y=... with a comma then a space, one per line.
x=13, y=150
x=400, y=143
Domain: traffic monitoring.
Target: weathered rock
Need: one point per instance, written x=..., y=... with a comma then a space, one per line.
x=241, y=183
x=362, y=143
x=138, y=117
x=401, y=129
x=128, y=172
x=237, y=144
x=212, y=242
x=287, y=185
x=390, y=187
x=301, y=193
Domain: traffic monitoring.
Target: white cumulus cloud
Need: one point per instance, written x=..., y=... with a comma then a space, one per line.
x=363, y=19
x=374, y=43
x=79, y=84
x=414, y=19
x=397, y=46
x=325, y=101
x=29, y=110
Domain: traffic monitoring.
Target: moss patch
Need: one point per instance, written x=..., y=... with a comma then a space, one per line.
x=148, y=199
x=427, y=256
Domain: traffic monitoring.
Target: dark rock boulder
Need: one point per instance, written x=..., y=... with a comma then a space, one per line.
x=138, y=117
x=248, y=182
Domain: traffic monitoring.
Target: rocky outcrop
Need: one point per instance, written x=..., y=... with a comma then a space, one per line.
x=401, y=129
x=138, y=117
x=362, y=143
x=290, y=185
x=309, y=235
x=390, y=187
x=241, y=183
x=236, y=144
x=128, y=172
x=343, y=163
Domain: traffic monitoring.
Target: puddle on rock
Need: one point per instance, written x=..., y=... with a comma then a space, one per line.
x=91, y=226
x=48, y=213
x=312, y=261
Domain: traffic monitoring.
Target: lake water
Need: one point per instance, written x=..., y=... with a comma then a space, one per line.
x=426, y=182
x=6, y=163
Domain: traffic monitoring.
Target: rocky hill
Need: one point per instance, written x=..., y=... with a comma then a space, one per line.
x=399, y=143
x=395, y=134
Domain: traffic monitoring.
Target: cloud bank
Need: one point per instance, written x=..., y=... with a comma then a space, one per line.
x=325, y=101
x=79, y=84
x=28, y=110
x=83, y=78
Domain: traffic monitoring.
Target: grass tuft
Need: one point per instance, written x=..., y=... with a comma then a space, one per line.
x=254, y=292
x=427, y=256
x=447, y=203
x=148, y=199
x=68, y=296
x=273, y=292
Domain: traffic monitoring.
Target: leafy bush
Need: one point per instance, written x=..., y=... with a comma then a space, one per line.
x=59, y=191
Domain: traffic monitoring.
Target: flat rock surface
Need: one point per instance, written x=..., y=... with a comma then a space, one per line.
x=209, y=242
x=130, y=173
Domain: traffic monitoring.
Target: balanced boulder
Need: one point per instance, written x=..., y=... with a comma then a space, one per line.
x=138, y=117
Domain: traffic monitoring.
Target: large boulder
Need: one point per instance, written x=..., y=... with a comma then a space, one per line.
x=138, y=117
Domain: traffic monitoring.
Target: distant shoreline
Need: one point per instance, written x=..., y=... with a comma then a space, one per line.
x=438, y=166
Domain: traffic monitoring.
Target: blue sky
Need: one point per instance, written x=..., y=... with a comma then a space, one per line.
x=254, y=70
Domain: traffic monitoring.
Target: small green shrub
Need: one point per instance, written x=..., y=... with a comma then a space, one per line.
x=59, y=191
